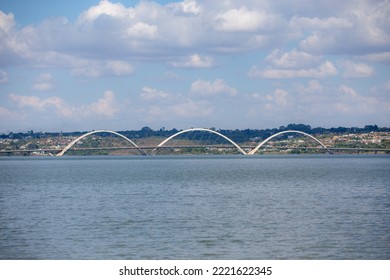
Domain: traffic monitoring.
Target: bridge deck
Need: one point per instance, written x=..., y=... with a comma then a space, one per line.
x=267, y=148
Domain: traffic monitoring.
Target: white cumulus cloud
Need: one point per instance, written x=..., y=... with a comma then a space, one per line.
x=357, y=70
x=191, y=108
x=149, y=93
x=350, y=92
x=242, y=20
x=326, y=69
x=142, y=30
x=278, y=98
x=6, y=21
x=293, y=59
x=364, y=28
x=314, y=86
x=103, y=107
x=194, y=61
x=187, y=7
x=106, y=8
x=149, y=30
x=207, y=88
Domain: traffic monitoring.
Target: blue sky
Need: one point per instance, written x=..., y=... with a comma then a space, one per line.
x=83, y=65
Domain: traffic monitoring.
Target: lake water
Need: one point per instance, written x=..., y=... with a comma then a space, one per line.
x=195, y=207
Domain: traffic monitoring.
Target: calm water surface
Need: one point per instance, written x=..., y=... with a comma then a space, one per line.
x=206, y=207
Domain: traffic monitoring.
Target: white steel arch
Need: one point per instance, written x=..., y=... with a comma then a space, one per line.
x=199, y=129
x=99, y=131
x=283, y=132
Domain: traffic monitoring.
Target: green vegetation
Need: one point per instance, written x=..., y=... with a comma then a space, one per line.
x=369, y=137
x=239, y=136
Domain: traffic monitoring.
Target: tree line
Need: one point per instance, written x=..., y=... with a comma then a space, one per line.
x=236, y=135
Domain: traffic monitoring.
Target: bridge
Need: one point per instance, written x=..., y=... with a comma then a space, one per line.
x=154, y=150
x=213, y=142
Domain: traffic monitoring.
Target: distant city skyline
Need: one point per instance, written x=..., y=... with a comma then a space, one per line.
x=84, y=65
